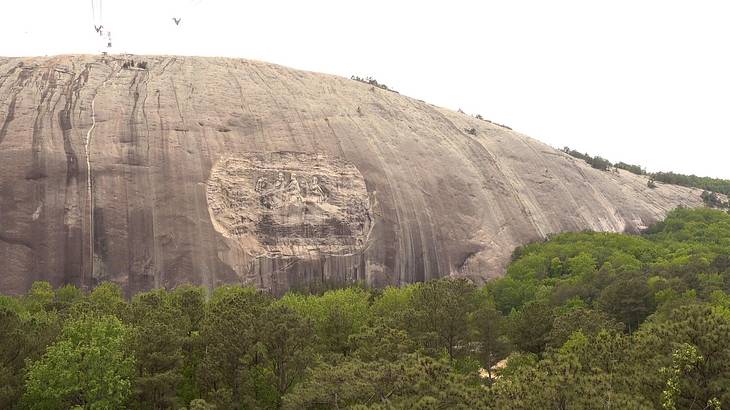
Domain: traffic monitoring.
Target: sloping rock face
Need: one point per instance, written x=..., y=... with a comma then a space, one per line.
x=214, y=171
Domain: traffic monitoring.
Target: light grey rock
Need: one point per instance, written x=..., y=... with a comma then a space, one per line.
x=215, y=171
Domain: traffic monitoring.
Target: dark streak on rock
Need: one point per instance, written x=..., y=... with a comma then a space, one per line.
x=19, y=85
x=268, y=231
x=16, y=241
x=73, y=261
x=8, y=118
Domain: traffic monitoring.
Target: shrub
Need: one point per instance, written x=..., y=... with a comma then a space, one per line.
x=710, y=184
x=600, y=163
x=713, y=200
x=372, y=81
x=634, y=169
x=596, y=162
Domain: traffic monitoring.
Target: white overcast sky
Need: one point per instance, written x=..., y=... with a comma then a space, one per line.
x=645, y=82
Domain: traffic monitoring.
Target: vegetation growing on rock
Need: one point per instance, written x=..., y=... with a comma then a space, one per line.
x=712, y=186
x=596, y=162
x=372, y=81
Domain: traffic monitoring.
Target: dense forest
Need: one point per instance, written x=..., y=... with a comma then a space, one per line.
x=584, y=320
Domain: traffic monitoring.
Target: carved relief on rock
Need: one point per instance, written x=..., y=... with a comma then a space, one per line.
x=290, y=203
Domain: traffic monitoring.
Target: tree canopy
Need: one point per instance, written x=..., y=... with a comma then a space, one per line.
x=582, y=320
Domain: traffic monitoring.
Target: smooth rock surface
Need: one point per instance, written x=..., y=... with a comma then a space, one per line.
x=214, y=171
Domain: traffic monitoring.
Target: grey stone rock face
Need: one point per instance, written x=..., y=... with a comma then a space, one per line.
x=213, y=171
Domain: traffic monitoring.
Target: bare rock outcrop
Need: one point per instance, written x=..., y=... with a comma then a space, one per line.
x=214, y=171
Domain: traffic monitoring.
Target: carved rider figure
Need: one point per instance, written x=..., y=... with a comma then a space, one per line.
x=279, y=181
x=293, y=189
x=317, y=190
x=260, y=184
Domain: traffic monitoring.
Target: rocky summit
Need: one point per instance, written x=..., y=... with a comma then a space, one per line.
x=153, y=171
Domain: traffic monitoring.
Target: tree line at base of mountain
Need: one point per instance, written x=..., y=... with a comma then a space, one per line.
x=582, y=320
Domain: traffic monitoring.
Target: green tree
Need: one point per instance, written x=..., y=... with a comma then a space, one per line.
x=40, y=296
x=489, y=332
x=529, y=327
x=581, y=265
x=564, y=381
x=510, y=293
x=588, y=321
x=24, y=336
x=13, y=339
x=66, y=298
x=695, y=339
x=158, y=347
x=231, y=333
x=89, y=366
x=627, y=299
x=288, y=341
x=200, y=404
x=190, y=301
x=336, y=315
x=623, y=262
x=105, y=299
x=556, y=267
x=393, y=306
x=414, y=381
x=380, y=342
x=441, y=310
